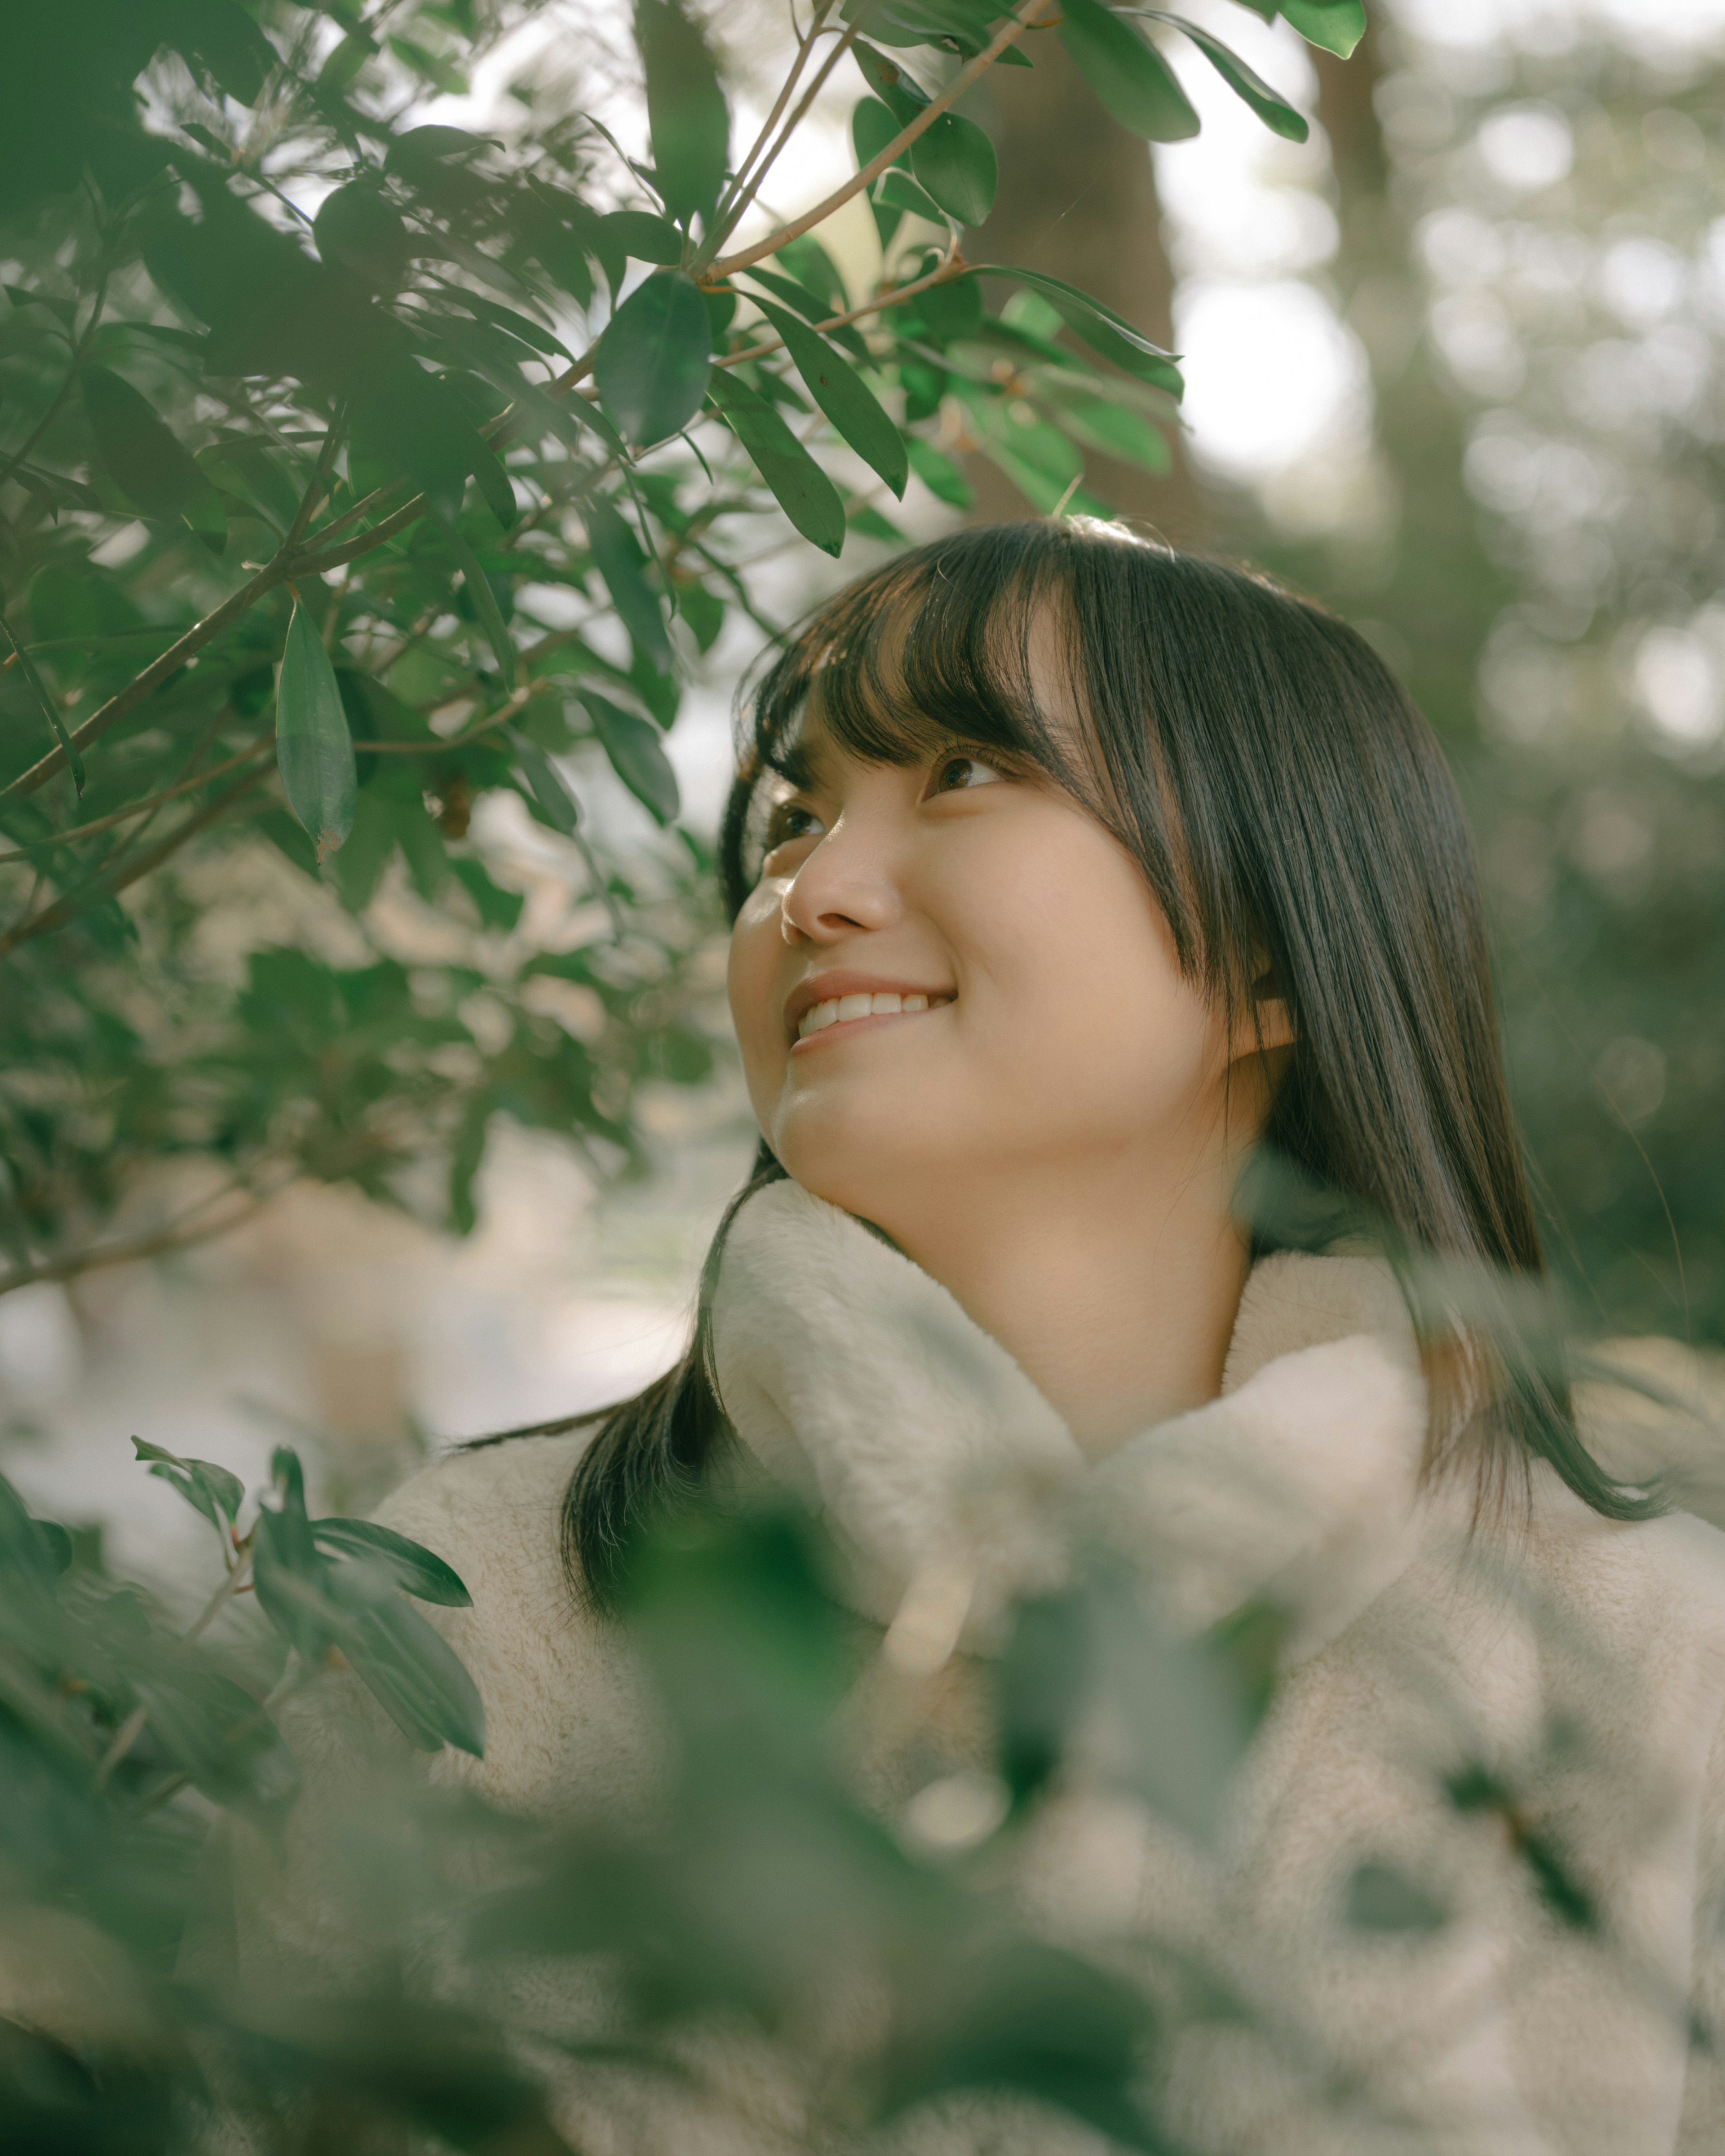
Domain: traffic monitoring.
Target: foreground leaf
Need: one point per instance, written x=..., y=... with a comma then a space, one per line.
x=954, y=161
x=1127, y=74
x=1276, y=112
x=418, y=1570
x=1337, y=25
x=687, y=119
x=802, y=489
x=209, y=1489
x=557, y=805
x=314, y=748
x=654, y=360
x=1101, y=329
x=637, y=756
x=618, y=554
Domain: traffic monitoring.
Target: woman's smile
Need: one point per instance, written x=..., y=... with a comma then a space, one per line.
x=837, y=1002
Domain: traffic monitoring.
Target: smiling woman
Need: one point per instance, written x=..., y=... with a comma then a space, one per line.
x=1138, y=1199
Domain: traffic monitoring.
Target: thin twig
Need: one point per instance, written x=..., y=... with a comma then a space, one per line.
x=951, y=264
x=80, y=352
x=177, y=1235
x=742, y=195
x=137, y=809
x=1026, y=18
x=108, y=886
x=722, y=219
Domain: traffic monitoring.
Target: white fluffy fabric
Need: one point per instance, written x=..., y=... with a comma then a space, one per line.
x=1580, y=1661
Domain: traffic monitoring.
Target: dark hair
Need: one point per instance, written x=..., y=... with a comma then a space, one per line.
x=1291, y=810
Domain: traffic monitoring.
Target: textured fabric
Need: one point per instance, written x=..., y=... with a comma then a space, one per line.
x=1577, y=1664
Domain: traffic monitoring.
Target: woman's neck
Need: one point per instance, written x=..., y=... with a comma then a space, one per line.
x=1114, y=1293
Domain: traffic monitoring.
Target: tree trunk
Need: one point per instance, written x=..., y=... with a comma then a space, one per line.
x=1077, y=198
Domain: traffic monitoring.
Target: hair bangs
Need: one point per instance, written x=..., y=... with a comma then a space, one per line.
x=931, y=652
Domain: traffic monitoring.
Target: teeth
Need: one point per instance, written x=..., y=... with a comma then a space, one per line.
x=838, y=1010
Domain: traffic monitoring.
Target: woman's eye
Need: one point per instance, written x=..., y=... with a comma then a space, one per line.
x=789, y=822
x=956, y=774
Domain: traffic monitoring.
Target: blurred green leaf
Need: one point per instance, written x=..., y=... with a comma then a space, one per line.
x=146, y=456
x=621, y=561
x=313, y=748
x=687, y=119
x=1276, y=112
x=1129, y=76
x=551, y=798
x=1101, y=329
x=1337, y=25
x=212, y=1490
x=637, y=755
x=418, y=1570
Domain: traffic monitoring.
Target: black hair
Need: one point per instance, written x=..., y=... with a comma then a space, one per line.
x=1291, y=811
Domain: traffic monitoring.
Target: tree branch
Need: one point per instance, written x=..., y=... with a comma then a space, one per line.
x=177, y=1235
x=138, y=807
x=722, y=218
x=128, y=872
x=951, y=264
x=1028, y=18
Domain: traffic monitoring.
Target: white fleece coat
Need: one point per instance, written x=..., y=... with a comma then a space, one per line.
x=1578, y=1661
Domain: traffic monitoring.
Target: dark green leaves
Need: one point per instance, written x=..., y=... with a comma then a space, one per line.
x=637, y=756
x=1127, y=74
x=358, y=231
x=1337, y=25
x=1101, y=329
x=803, y=492
x=686, y=116
x=210, y=1490
x=1276, y=112
x=842, y=394
x=655, y=359
x=314, y=748
x=954, y=161
x=146, y=458
x=618, y=554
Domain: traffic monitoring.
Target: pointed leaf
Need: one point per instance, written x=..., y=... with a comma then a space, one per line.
x=50, y=710
x=637, y=756
x=618, y=558
x=873, y=125
x=811, y=307
x=1101, y=329
x=897, y=190
x=898, y=90
x=314, y=748
x=557, y=805
x=147, y=461
x=1276, y=112
x=686, y=116
x=939, y=474
x=844, y=396
x=478, y=586
x=804, y=492
x=1130, y=77
x=212, y=1490
x=1337, y=25
x=415, y=1675
x=955, y=161
x=418, y=1570
x=654, y=360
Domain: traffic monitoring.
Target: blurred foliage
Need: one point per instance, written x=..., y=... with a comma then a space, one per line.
x=1530, y=255
x=366, y=482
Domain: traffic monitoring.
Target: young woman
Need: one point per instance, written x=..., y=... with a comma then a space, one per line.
x=1082, y=889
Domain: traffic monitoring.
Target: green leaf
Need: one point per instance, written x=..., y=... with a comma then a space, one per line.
x=1116, y=430
x=478, y=587
x=1129, y=76
x=418, y=1570
x=844, y=396
x=637, y=756
x=412, y=1671
x=358, y=231
x=812, y=308
x=209, y=1489
x=313, y=748
x=230, y=45
x=873, y=125
x=896, y=88
x=687, y=121
x=1276, y=112
x=638, y=232
x=497, y=909
x=521, y=325
x=899, y=191
x=146, y=459
x=1101, y=329
x=954, y=161
x=942, y=478
x=654, y=360
x=618, y=554
x=1337, y=25
x=218, y=1735
x=803, y=492
x=555, y=804
x=289, y=1574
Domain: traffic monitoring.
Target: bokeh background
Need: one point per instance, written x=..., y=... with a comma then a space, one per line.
x=1454, y=368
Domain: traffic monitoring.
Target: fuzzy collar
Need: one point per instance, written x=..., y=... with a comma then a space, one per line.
x=855, y=1380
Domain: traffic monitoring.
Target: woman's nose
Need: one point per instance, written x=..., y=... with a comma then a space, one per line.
x=842, y=889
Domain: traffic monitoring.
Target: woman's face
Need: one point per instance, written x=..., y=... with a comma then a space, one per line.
x=951, y=971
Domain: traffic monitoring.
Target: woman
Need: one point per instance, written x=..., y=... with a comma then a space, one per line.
x=1072, y=879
